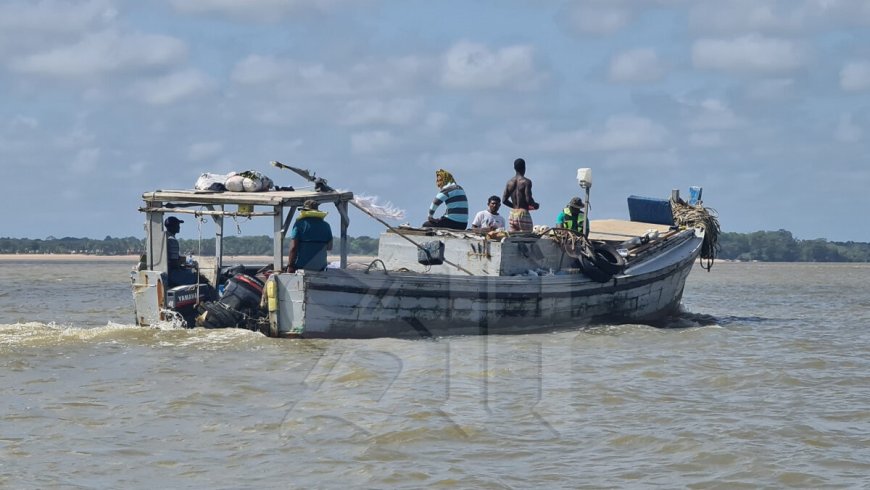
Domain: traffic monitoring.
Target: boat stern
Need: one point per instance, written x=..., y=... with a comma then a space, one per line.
x=285, y=295
x=148, y=297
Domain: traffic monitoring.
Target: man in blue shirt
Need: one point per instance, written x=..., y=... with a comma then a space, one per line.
x=310, y=238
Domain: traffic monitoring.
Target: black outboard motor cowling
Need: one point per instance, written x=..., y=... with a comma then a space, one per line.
x=239, y=306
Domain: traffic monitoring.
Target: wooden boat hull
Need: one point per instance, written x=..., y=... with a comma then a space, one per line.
x=357, y=304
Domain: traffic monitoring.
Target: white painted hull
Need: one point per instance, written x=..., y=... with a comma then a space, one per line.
x=355, y=304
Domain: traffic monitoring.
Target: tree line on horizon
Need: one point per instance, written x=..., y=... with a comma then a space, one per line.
x=253, y=245
x=763, y=246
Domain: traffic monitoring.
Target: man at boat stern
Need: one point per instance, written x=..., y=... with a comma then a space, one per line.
x=310, y=239
x=179, y=270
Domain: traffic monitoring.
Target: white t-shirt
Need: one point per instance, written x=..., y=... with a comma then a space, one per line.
x=485, y=219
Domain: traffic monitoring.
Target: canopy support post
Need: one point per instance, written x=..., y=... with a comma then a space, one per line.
x=345, y=222
x=278, y=238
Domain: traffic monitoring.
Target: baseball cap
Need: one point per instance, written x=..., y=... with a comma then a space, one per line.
x=172, y=220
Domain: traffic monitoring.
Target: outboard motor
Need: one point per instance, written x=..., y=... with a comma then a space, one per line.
x=185, y=298
x=238, y=307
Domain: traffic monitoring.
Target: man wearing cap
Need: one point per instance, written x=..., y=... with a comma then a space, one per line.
x=572, y=217
x=178, y=273
x=310, y=239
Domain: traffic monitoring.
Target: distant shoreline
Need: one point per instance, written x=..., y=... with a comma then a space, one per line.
x=135, y=258
x=67, y=257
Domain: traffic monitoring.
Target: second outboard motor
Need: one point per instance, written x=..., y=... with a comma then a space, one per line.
x=239, y=306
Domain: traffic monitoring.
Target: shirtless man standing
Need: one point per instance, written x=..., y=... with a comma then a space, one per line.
x=518, y=197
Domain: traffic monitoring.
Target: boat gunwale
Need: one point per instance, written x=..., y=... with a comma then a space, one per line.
x=493, y=287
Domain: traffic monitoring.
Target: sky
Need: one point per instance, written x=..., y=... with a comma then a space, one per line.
x=763, y=103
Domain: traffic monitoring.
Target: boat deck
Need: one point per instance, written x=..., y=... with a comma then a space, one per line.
x=621, y=230
x=601, y=229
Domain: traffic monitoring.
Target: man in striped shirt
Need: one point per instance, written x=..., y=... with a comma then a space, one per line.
x=453, y=197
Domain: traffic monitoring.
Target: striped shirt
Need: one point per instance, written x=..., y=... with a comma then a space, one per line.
x=457, y=204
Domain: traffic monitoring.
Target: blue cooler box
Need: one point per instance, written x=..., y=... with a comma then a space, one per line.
x=650, y=210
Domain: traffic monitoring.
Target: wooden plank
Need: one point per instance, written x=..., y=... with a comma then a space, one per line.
x=269, y=198
x=621, y=230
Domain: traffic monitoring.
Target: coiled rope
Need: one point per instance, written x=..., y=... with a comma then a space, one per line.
x=700, y=217
x=572, y=243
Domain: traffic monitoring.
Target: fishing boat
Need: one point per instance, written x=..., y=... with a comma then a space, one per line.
x=428, y=282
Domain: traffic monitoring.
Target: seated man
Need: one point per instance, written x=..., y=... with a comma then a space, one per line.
x=572, y=216
x=310, y=239
x=453, y=197
x=489, y=219
x=179, y=271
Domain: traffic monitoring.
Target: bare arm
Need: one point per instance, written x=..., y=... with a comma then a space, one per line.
x=508, y=192
x=291, y=257
x=529, y=198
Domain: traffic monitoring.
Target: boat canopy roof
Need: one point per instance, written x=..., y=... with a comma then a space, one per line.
x=283, y=203
x=265, y=198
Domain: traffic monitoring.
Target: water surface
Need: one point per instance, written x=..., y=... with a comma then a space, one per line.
x=765, y=385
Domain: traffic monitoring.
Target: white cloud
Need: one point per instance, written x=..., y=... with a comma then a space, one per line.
x=855, y=76
x=60, y=16
x=79, y=136
x=395, y=112
x=620, y=133
x=636, y=65
x=629, y=132
x=747, y=16
x=299, y=77
x=102, y=53
x=711, y=114
x=748, y=54
x=847, y=131
x=705, y=139
x=770, y=89
x=292, y=77
x=605, y=17
x=470, y=65
x=372, y=142
x=435, y=121
x=269, y=11
x=597, y=18
x=136, y=169
x=655, y=159
x=173, y=87
x=204, y=150
x=85, y=161
x=25, y=122
x=776, y=16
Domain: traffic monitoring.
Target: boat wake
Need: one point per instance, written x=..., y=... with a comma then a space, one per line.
x=37, y=335
x=687, y=319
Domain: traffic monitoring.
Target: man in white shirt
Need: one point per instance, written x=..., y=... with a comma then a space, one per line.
x=489, y=219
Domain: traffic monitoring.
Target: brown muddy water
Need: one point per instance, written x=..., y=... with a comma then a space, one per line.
x=765, y=384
